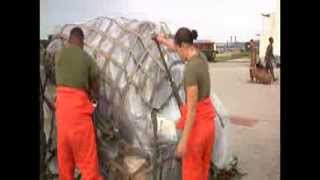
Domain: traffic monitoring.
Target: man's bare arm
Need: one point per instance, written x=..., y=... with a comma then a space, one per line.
x=94, y=80
x=95, y=86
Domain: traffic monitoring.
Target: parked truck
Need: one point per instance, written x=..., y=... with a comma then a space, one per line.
x=207, y=47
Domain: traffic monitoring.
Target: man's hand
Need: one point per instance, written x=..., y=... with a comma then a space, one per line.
x=94, y=103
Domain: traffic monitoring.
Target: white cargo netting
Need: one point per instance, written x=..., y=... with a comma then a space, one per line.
x=133, y=85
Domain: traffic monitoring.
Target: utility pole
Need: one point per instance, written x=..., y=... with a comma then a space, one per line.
x=263, y=21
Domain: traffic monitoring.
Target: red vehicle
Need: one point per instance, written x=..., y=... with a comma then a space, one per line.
x=207, y=47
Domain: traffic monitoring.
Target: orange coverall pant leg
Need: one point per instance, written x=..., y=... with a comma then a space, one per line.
x=76, y=142
x=196, y=161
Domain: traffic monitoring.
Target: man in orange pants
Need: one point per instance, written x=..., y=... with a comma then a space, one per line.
x=76, y=75
x=197, y=115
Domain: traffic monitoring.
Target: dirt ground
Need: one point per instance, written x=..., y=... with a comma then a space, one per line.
x=255, y=118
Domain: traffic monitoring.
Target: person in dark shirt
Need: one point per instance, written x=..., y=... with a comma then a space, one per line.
x=269, y=57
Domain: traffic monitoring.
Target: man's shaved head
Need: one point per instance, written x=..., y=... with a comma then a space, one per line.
x=77, y=32
x=76, y=36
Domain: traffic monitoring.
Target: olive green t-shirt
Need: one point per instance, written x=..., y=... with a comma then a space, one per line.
x=197, y=73
x=75, y=68
x=269, y=53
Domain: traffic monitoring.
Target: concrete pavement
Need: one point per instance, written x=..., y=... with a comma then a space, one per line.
x=255, y=118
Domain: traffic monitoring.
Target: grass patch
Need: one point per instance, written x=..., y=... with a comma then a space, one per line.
x=230, y=56
x=222, y=58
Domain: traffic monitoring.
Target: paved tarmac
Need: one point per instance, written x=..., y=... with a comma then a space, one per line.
x=255, y=118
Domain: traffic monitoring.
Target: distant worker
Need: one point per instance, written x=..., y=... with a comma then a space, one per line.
x=269, y=57
x=76, y=76
x=253, y=59
x=197, y=115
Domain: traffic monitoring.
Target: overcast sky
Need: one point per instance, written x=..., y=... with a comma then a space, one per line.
x=213, y=19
